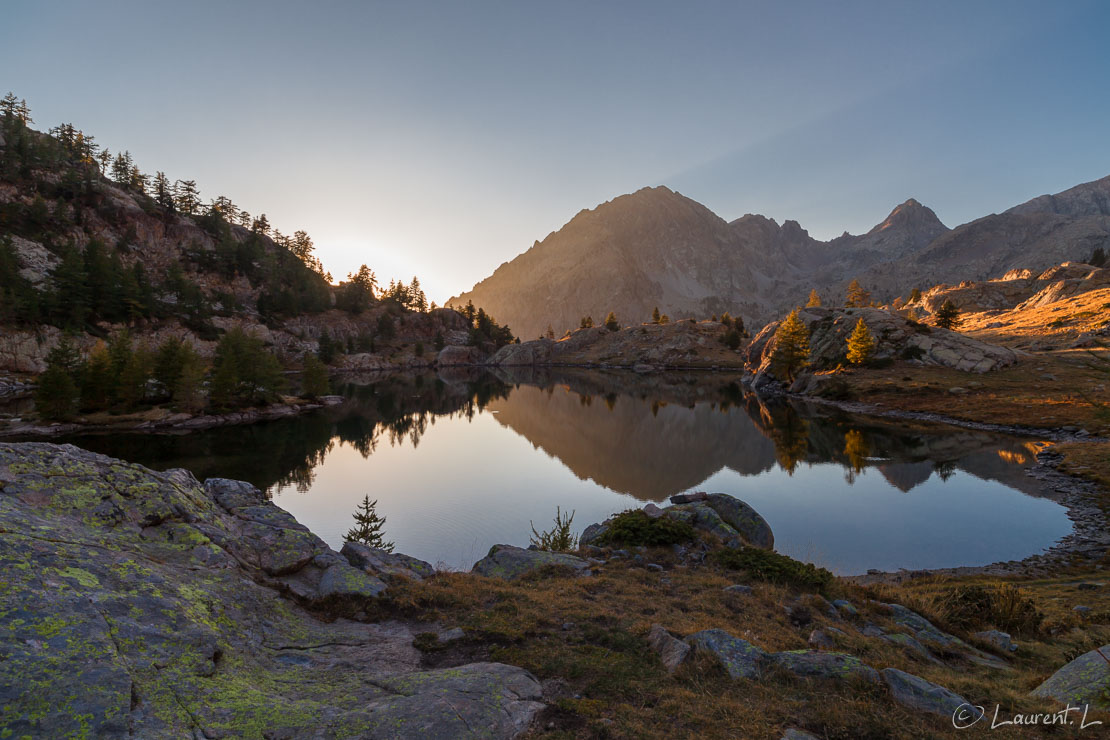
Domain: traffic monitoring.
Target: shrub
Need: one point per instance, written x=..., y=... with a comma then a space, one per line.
x=633, y=528
x=731, y=339
x=770, y=566
x=1004, y=606
x=558, y=538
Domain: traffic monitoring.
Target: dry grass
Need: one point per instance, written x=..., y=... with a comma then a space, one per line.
x=1090, y=460
x=1023, y=395
x=587, y=637
x=1052, y=325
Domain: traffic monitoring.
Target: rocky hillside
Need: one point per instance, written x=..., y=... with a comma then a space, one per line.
x=1064, y=306
x=645, y=347
x=89, y=247
x=656, y=247
x=896, y=338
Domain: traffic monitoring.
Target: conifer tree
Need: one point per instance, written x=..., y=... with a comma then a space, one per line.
x=186, y=197
x=948, y=316
x=611, y=322
x=664, y=319
x=315, y=378
x=550, y=333
x=915, y=295
x=325, y=350
x=188, y=393
x=857, y=296
x=814, y=300
x=587, y=322
x=791, y=350
x=99, y=381
x=56, y=392
x=861, y=345
x=655, y=315
x=368, y=527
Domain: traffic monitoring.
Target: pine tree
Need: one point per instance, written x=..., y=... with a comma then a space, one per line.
x=188, y=393
x=857, y=296
x=655, y=315
x=186, y=197
x=814, y=300
x=315, y=378
x=99, y=381
x=587, y=322
x=664, y=319
x=368, y=527
x=948, y=316
x=550, y=333
x=325, y=348
x=611, y=322
x=121, y=168
x=861, y=345
x=56, y=391
x=791, y=350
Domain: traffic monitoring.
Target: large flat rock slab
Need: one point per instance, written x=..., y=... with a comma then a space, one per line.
x=143, y=604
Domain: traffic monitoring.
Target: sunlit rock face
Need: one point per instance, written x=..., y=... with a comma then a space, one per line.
x=896, y=337
x=657, y=248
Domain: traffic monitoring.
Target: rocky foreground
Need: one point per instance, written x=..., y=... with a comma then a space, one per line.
x=145, y=604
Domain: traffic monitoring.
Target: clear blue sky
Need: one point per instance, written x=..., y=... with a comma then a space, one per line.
x=440, y=139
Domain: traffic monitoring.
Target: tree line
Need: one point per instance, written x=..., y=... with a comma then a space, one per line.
x=123, y=376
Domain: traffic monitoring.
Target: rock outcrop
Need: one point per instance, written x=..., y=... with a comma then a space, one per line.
x=925, y=696
x=896, y=337
x=509, y=562
x=143, y=604
x=1085, y=680
x=724, y=517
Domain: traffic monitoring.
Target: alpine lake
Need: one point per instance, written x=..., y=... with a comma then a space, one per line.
x=466, y=458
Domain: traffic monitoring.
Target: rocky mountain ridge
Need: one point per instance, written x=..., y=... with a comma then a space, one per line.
x=658, y=248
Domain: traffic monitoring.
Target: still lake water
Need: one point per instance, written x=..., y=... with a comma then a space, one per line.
x=464, y=460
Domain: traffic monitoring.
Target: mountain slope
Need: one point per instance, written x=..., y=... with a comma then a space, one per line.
x=656, y=247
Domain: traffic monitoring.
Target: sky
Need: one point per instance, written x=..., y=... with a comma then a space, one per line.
x=442, y=139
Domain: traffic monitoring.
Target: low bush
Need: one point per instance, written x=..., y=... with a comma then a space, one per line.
x=1004, y=606
x=773, y=567
x=633, y=528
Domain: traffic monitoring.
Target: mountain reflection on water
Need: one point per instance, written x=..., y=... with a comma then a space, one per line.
x=465, y=459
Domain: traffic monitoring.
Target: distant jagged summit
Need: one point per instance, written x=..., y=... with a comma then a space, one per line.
x=658, y=248
x=914, y=217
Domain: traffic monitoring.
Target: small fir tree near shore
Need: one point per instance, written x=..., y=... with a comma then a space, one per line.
x=368, y=526
x=791, y=351
x=814, y=300
x=861, y=345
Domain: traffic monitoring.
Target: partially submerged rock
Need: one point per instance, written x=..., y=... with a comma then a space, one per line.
x=1085, y=680
x=509, y=562
x=142, y=604
x=925, y=696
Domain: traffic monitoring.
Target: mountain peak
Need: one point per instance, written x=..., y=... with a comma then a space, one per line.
x=912, y=216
